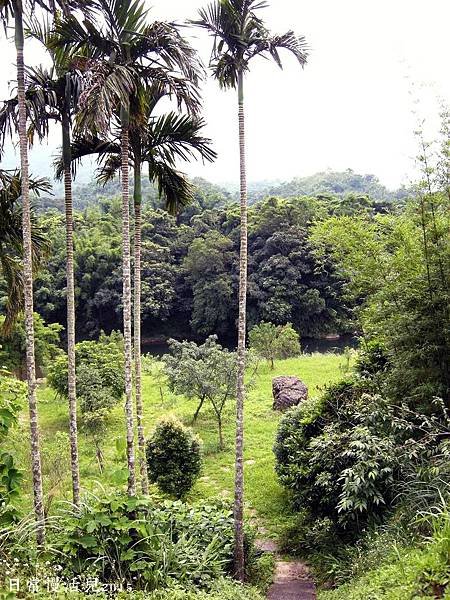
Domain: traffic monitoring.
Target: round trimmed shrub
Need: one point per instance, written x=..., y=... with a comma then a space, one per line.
x=173, y=457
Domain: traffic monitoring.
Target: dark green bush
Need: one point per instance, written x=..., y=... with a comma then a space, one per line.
x=304, y=534
x=337, y=457
x=173, y=457
x=372, y=360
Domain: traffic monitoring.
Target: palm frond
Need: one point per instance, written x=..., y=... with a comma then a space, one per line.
x=41, y=102
x=109, y=167
x=173, y=186
x=180, y=89
x=83, y=146
x=162, y=42
x=287, y=41
x=174, y=136
x=12, y=272
x=106, y=90
x=11, y=241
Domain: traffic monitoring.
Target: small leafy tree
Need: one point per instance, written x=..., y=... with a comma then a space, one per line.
x=105, y=356
x=206, y=372
x=153, y=366
x=96, y=401
x=274, y=341
x=173, y=457
x=100, y=384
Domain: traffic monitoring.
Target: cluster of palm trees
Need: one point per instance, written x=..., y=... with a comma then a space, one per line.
x=111, y=71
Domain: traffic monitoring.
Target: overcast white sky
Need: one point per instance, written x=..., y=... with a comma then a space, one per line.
x=351, y=107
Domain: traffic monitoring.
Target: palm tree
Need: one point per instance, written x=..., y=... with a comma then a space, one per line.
x=11, y=241
x=240, y=35
x=125, y=52
x=8, y=9
x=157, y=142
x=14, y=9
x=51, y=95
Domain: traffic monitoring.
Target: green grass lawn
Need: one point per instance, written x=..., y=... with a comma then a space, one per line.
x=264, y=496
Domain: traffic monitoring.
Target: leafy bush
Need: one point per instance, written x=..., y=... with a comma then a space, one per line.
x=337, y=456
x=145, y=543
x=12, y=347
x=173, y=457
x=397, y=573
x=372, y=360
x=12, y=398
x=274, y=341
x=104, y=356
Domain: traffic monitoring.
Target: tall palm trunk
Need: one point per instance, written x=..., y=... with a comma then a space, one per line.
x=137, y=320
x=126, y=266
x=28, y=280
x=73, y=433
x=239, y=561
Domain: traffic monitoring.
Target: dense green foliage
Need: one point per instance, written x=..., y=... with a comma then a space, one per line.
x=12, y=346
x=337, y=457
x=147, y=543
x=400, y=268
x=102, y=363
x=12, y=399
x=189, y=270
x=271, y=341
x=388, y=570
x=173, y=457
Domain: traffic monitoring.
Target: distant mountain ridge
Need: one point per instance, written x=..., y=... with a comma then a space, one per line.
x=324, y=182
x=338, y=183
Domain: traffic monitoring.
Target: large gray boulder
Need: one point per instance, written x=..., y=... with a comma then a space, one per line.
x=288, y=391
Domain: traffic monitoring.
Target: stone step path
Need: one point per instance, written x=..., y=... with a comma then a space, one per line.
x=292, y=579
x=292, y=582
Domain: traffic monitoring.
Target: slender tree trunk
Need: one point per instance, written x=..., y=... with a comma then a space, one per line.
x=239, y=559
x=137, y=322
x=220, y=431
x=197, y=412
x=28, y=281
x=72, y=393
x=99, y=455
x=126, y=266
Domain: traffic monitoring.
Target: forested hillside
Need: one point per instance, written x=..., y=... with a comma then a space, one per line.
x=190, y=266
